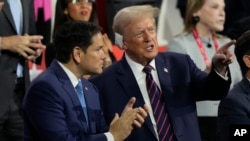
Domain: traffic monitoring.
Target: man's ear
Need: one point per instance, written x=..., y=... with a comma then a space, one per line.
x=124, y=45
x=246, y=60
x=77, y=54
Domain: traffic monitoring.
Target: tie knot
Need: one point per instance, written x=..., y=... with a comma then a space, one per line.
x=147, y=69
x=79, y=86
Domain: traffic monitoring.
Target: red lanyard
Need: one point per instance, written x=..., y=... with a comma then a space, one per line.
x=201, y=47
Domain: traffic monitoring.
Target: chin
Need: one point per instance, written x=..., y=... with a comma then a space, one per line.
x=218, y=29
x=99, y=72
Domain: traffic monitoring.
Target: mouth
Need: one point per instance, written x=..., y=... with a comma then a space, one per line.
x=221, y=21
x=84, y=12
x=149, y=47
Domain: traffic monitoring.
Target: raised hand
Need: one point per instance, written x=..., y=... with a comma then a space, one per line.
x=142, y=112
x=121, y=127
x=223, y=58
x=107, y=48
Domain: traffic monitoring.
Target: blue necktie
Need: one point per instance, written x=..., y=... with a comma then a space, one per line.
x=80, y=94
x=17, y=14
x=164, y=128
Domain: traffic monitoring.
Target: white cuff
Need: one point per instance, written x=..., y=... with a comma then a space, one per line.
x=224, y=77
x=109, y=136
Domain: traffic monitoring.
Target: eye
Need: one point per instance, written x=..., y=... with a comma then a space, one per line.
x=151, y=29
x=138, y=35
x=215, y=6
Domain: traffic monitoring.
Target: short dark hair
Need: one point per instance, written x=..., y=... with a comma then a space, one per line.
x=72, y=34
x=242, y=48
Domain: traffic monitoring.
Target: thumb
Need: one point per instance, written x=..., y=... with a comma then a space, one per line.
x=115, y=119
x=146, y=108
x=129, y=105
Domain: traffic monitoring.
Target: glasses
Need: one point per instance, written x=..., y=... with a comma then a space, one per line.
x=81, y=1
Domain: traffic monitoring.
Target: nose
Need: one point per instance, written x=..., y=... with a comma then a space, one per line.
x=147, y=36
x=103, y=55
x=222, y=12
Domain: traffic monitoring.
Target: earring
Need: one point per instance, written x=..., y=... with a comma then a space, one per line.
x=195, y=19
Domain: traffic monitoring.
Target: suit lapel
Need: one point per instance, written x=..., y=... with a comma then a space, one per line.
x=92, y=103
x=7, y=12
x=70, y=90
x=127, y=80
x=164, y=70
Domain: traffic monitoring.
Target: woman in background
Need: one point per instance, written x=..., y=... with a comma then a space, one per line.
x=200, y=41
x=83, y=10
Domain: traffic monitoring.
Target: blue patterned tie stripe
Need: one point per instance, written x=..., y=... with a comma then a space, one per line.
x=80, y=94
x=164, y=128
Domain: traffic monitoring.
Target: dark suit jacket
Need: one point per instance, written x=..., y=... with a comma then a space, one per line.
x=234, y=109
x=52, y=110
x=9, y=60
x=182, y=84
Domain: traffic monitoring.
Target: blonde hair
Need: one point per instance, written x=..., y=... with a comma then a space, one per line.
x=124, y=17
x=192, y=7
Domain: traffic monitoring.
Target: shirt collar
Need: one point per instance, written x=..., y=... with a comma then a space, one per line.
x=136, y=66
x=73, y=79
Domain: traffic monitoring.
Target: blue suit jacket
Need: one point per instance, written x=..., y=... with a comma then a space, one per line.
x=52, y=110
x=234, y=109
x=182, y=85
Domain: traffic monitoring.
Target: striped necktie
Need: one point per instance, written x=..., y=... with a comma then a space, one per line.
x=158, y=104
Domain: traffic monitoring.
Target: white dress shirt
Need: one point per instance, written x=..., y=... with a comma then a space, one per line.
x=140, y=77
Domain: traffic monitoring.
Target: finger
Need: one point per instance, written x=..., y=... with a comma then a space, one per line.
x=31, y=57
x=24, y=54
x=116, y=117
x=36, y=45
x=139, y=119
x=228, y=60
x=35, y=37
x=30, y=51
x=146, y=108
x=137, y=124
x=107, y=42
x=39, y=52
x=227, y=45
x=143, y=113
x=104, y=35
x=130, y=104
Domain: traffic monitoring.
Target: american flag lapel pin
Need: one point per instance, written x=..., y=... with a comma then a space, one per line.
x=165, y=70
